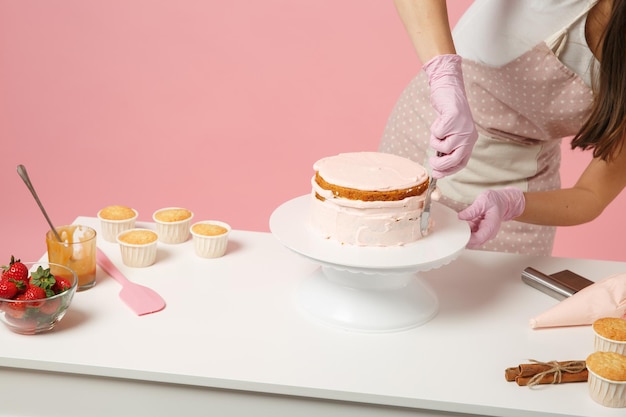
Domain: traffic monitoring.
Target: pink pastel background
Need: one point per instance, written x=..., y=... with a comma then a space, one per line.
x=217, y=106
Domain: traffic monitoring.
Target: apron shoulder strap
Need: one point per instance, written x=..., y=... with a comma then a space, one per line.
x=556, y=42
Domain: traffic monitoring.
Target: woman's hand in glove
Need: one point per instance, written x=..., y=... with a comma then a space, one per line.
x=489, y=210
x=453, y=132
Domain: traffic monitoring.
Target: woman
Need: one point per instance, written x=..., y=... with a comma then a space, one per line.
x=531, y=73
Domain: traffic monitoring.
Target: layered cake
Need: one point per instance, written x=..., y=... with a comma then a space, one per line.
x=368, y=199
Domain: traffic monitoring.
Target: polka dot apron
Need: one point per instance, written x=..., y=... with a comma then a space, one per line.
x=522, y=110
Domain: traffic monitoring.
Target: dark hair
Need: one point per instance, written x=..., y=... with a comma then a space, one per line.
x=605, y=129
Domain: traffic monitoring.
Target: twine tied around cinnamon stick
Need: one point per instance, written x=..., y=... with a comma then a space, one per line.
x=557, y=369
x=552, y=372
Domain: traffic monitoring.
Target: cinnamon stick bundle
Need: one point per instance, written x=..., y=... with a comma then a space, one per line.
x=535, y=373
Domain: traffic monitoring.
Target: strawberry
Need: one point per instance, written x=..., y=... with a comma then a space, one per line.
x=8, y=288
x=50, y=306
x=18, y=272
x=24, y=324
x=33, y=293
x=61, y=284
x=14, y=310
x=42, y=278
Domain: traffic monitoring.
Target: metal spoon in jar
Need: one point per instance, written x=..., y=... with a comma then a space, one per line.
x=21, y=170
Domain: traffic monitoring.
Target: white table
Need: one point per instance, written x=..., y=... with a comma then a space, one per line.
x=232, y=341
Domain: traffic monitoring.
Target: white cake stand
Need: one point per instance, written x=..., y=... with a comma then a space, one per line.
x=369, y=289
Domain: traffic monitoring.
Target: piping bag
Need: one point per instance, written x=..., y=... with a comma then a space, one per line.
x=605, y=298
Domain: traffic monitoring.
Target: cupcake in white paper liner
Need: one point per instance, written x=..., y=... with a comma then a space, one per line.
x=607, y=378
x=210, y=238
x=172, y=224
x=138, y=247
x=610, y=335
x=116, y=219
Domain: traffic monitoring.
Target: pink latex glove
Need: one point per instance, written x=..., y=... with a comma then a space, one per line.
x=489, y=210
x=453, y=132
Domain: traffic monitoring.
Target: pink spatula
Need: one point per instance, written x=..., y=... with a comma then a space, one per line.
x=142, y=300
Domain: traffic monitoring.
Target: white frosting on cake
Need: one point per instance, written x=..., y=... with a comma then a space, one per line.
x=371, y=171
x=368, y=223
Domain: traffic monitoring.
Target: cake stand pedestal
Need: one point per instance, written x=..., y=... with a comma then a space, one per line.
x=379, y=302
x=368, y=289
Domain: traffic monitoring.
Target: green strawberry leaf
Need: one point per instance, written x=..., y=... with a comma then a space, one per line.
x=43, y=278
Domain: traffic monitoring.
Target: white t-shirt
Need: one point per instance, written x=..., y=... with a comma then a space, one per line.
x=494, y=32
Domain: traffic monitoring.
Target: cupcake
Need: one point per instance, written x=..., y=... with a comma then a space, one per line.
x=607, y=378
x=172, y=224
x=610, y=335
x=138, y=247
x=116, y=219
x=210, y=238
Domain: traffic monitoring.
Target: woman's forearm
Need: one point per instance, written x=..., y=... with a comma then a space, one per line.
x=596, y=188
x=565, y=207
x=428, y=27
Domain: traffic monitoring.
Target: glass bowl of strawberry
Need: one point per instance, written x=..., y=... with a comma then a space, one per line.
x=34, y=296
